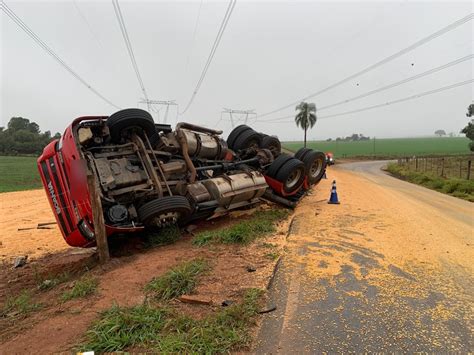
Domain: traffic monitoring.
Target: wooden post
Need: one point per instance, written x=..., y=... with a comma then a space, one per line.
x=98, y=218
x=442, y=167
x=416, y=164
x=468, y=169
x=460, y=168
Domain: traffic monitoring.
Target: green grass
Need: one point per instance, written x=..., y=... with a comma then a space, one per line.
x=272, y=255
x=18, y=173
x=145, y=328
x=163, y=236
x=390, y=147
x=83, y=287
x=20, y=305
x=456, y=187
x=178, y=281
x=261, y=223
x=50, y=282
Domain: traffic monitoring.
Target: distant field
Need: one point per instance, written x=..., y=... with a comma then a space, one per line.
x=18, y=173
x=390, y=147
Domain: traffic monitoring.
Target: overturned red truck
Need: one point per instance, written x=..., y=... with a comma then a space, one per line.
x=151, y=176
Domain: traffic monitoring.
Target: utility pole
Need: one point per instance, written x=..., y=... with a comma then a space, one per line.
x=238, y=112
x=167, y=103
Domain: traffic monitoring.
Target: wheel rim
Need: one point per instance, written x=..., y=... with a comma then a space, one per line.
x=253, y=144
x=315, y=168
x=274, y=149
x=293, y=179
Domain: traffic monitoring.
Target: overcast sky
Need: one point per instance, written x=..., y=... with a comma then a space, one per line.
x=271, y=54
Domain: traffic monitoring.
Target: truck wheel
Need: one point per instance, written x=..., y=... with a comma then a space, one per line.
x=292, y=175
x=131, y=119
x=315, y=165
x=301, y=153
x=235, y=133
x=164, y=211
x=271, y=143
x=277, y=164
x=248, y=138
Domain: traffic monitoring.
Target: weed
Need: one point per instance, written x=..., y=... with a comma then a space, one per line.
x=244, y=232
x=119, y=328
x=47, y=283
x=272, y=255
x=164, y=331
x=178, y=281
x=20, y=305
x=268, y=245
x=456, y=187
x=83, y=287
x=163, y=236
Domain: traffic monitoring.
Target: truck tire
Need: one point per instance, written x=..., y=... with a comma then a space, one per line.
x=247, y=139
x=153, y=212
x=235, y=133
x=315, y=165
x=130, y=119
x=292, y=175
x=277, y=164
x=301, y=153
x=271, y=143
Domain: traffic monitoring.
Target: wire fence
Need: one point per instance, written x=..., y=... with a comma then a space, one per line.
x=459, y=166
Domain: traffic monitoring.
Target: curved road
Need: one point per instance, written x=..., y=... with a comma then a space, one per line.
x=389, y=269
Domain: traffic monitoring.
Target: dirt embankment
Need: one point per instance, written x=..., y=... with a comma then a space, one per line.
x=20, y=213
x=59, y=326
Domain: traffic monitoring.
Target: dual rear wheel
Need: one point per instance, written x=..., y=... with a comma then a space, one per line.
x=244, y=137
x=314, y=162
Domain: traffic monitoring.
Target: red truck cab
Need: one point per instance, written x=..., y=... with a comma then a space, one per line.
x=61, y=166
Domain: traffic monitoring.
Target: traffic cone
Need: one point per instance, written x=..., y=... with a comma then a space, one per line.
x=333, y=199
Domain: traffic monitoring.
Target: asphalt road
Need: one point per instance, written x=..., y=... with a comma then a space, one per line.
x=389, y=269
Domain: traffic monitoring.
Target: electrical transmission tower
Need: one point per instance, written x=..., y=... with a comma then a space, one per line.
x=151, y=103
x=230, y=111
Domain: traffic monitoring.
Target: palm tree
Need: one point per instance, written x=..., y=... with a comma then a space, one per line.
x=306, y=117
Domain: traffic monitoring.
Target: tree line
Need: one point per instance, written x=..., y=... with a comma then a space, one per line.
x=23, y=137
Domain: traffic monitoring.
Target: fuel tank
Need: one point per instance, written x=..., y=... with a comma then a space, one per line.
x=232, y=189
x=205, y=145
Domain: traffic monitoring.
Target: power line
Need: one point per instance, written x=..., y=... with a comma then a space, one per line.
x=128, y=44
x=416, y=96
x=412, y=97
x=84, y=19
x=389, y=86
x=398, y=83
x=9, y=12
x=194, y=36
x=381, y=62
x=222, y=28
x=239, y=112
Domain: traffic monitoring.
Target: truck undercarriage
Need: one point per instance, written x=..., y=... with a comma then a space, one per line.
x=153, y=176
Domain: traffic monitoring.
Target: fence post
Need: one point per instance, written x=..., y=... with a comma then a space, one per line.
x=442, y=167
x=468, y=169
x=98, y=218
x=416, y=164
x=460, y=168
